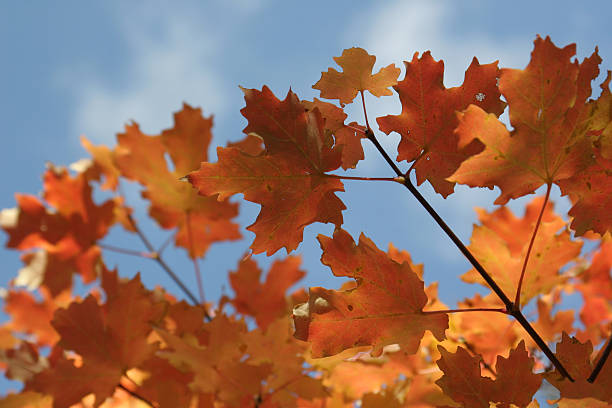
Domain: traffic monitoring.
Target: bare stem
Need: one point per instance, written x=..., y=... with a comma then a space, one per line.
x=510, y=306
x=481, y=309
x=355, y=129
x=361, y=178
x=517, y=300
x=113, y=248
x=157, y=257
x=601, y=361
x=166, y=243
x=196, y=267
x=138, y=396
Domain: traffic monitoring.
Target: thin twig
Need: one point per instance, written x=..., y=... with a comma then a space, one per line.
x=510, y=307
x=517, y=300
x=113, y=248
x=365, y=113
x=157, y=257
x=601, y=361
x=486, y=365
x=166, y=243
x=136, y=395
x=480, y=309
x=361, y=178
x=196, y=267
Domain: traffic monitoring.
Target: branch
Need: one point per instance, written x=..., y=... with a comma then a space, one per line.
x=602, y=360
x=136, y=395
x=510, y=306
x=157, y=257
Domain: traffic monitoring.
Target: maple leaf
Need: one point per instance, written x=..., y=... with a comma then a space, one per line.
x=385, y=307
x=548, y=110
x=27, y=399
x=115, y=332
x=602, y=118
x=67, y=232
x=201, y=221
x=345, y=136
x=265, y=302
x=288, y=378
x=428, y=118
x=289, y=180
x=488, y=334
x=515, y=383
x=34, y=317
x=103, y=164
x=217, y=365
x=356, y=77
x=576, y=358
x=551, y=252
x=68, y=384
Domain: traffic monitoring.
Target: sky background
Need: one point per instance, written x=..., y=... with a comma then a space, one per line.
x=71, y=68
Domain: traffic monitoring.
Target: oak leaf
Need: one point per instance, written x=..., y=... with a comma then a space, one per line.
x=356, y=76
x=548, y=110
x=385, y=307
x=428, y=118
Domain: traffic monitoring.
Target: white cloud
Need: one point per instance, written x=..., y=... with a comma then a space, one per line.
x=169, y=61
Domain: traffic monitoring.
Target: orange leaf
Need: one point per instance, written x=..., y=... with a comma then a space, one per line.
x=174, y=204
x=265, y=302
x=356, y=77
x=515, y=384
x=576, y=358
x=288, y=180
x=386, y=306
x=549, y=143
x=428, y=118
x=550, y=253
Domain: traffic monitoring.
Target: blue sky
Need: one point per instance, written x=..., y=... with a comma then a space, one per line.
x=70, y=68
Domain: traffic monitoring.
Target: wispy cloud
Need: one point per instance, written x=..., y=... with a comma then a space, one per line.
x=168, y=61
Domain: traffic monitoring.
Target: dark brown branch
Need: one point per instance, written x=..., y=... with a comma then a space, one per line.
x=512, y=309
x=138, y=396
x=601, y=361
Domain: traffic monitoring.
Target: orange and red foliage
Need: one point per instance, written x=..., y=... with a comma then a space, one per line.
x=383, y=339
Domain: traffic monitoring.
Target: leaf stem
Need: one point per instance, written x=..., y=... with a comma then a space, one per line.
x=196, y=267
x=113, y=248
x=166, y=243
x=365, y=113
x=480, y=309
x=510, y=307
x=601, y=361
x=361, y=178
x=517, y=300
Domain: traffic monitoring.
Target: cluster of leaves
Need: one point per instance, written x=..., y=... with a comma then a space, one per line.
x=383, y=339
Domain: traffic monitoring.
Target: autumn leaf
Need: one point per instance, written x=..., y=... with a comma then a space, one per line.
x=548, y=110
x=265, y=302
x=576, y=358
x=356, y=76
x=217, y=365
x=386, y=306
x=200, y=221
x=428, y=120
x=66, y=233
x=289, y=180
x=515, y=383
x=346, y=136
x=551, y=251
